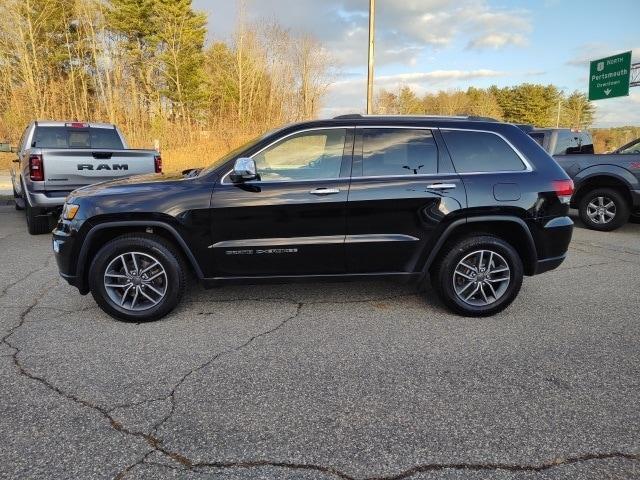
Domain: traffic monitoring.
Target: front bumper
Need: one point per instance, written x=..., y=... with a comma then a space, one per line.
x=63, y=243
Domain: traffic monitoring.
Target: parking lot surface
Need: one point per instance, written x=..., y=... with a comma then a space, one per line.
x=360, y=380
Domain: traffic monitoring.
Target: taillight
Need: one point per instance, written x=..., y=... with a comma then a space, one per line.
x=564, y=189
x=36, y=168
x=157, y=161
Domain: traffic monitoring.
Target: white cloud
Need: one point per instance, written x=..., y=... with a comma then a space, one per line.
x=618, y=112
x=499, y=28
x=497, y=40
x=404, y=29
x=347, y=95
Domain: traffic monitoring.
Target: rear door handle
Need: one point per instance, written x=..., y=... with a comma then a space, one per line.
x=441, y=186
x=324, y=191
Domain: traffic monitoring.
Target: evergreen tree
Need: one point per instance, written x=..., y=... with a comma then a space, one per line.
x=180, y=35
x=577, y=111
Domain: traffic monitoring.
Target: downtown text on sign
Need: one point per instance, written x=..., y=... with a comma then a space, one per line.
x=609, y=77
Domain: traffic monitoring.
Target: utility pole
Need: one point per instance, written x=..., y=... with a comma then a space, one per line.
x=372, y=21
x=558, y=117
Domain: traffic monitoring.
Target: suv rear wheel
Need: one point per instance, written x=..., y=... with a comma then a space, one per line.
x=478, y=276
x=137, y=278
x=603, y=209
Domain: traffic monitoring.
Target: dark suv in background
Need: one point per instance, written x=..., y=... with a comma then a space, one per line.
x=474, y=204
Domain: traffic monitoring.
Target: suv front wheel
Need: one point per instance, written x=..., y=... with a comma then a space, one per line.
x=137, y=278
x=478, y=276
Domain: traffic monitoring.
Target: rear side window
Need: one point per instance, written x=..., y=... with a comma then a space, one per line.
x=481, y=152
x=399, y=151
x=64, y=137
x=571, y=143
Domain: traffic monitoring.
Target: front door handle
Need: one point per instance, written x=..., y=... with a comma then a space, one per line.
x=324, y=191
x=441, y=186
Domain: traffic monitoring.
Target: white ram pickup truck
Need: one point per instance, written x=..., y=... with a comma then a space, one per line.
x=55, y=158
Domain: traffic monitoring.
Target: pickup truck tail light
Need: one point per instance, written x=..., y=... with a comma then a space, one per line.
x=564, y=189
x=157, y=160
x=36, y=168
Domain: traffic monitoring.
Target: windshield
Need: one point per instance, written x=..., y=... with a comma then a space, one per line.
x=633, y=147
x=228, y=156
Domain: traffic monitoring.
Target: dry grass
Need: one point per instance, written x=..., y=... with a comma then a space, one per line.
x=192, y=156
x=5, y=160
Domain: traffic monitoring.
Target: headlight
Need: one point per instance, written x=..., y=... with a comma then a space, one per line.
x=69, y=211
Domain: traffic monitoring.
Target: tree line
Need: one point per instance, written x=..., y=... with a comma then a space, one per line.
x=539, y=105
x=145, y=65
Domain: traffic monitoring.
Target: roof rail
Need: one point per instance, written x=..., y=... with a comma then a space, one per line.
x=351, y=116
x=348, y=116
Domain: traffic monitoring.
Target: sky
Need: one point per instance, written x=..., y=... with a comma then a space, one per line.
x=432, y=45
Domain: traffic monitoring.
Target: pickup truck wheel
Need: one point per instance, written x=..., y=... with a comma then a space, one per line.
x=36, y=224
x=478, y=276
x=603, y=209
x=137, y=278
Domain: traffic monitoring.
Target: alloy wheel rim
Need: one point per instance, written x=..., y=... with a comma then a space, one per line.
x=135, y=281
x=481, y=278
x=601, y=210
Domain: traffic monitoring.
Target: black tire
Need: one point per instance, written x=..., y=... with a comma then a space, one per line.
x=158, y=248
x=621, y=209
x=16, y=197
x=635, y=217
x=36, y=224
x=442, y=276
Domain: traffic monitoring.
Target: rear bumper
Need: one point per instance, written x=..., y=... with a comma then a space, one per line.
x=553, y=243
x=549, y=264
x=47, y=200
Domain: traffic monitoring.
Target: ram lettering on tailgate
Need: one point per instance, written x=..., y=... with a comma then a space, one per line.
x=103, y=166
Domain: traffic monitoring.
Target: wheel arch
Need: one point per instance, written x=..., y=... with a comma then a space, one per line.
x=613, y=177
x=501, y=226
x=101, y=233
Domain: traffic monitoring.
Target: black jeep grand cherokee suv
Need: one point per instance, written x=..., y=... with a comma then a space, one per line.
x=476, y=204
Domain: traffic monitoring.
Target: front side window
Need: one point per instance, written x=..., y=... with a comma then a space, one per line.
x=311, y=155
x=481, y=152
x=398, y=151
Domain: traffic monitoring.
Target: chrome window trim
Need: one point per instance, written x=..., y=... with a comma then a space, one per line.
x=313, y=129
x=528, y=168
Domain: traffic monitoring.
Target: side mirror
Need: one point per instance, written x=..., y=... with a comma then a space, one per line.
x=244, y=169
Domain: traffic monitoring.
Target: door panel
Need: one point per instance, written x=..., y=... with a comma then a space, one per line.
x=392, y=220
x=275, y=227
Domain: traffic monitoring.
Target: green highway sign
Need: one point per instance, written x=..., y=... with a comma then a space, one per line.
x=609, y=77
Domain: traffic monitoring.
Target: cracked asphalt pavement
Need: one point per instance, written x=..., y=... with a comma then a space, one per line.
x=366, y=380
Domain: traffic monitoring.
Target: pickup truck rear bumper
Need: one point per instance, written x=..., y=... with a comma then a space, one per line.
x=48, y=200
